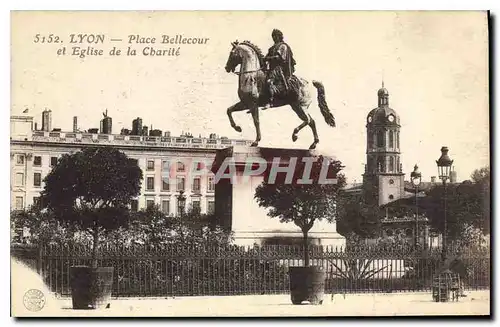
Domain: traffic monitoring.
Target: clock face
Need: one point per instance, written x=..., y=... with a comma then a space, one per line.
x=391, y=118
x=370, y=119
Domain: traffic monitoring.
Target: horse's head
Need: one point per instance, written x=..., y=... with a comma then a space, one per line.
x=234, y=57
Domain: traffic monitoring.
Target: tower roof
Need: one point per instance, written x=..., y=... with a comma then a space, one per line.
x=383, y=114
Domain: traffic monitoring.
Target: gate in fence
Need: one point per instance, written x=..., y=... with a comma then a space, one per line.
x=150, y=271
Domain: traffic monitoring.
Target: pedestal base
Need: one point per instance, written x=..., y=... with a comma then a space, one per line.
x=237, y=209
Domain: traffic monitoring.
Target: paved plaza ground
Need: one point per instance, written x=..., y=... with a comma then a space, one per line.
x=395, y=304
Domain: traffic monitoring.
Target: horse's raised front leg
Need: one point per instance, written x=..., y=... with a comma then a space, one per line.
x=297, y=130
x=255, y=116
x=236, y=107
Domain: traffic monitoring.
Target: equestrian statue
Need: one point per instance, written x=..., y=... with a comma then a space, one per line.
x=269, y=82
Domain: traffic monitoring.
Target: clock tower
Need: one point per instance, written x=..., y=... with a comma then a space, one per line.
x=383, y=180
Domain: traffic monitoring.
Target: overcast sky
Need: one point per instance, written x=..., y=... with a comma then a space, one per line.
x=434, y=65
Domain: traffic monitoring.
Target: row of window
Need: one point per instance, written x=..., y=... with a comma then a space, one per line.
x=150, y=183
x=165, y=205
x=37, y=179
x=380, y=139
x=380, y=164
x=19, y=205
x=180, y=166
x=37, y=160
x=180, y=184
x=393, y=164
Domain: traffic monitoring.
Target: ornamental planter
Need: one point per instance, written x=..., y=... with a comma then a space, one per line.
x=307, y=284
x=91, y=287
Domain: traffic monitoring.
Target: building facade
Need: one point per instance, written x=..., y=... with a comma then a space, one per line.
x=171, y=165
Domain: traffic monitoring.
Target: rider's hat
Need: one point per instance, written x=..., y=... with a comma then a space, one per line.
x=277, y=32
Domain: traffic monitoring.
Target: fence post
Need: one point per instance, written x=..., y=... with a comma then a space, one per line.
x=39, y=259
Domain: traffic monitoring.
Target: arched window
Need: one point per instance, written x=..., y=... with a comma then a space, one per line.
x=380, y=139
x=391, y=164
x=381, y=164
x=391, y=139
x=397, y=140
x=370, y=139
x=371, y=164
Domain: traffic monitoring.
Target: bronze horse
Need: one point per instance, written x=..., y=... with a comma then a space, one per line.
x=251, y=91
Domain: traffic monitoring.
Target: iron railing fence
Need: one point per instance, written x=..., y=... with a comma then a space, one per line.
x=165, y=271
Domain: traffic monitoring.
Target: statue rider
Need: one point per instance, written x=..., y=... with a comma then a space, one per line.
x=281, y=67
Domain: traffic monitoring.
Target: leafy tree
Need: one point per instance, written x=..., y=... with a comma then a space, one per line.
x=481, y=176
x=42, y=227
x=151, y=225
x=92, y=189
x=467, y=205
x=479, y=206
x=355, y=216
x=194, y=228
x=303, y=204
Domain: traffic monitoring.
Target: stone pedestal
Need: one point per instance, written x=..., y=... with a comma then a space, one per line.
x=237, y=209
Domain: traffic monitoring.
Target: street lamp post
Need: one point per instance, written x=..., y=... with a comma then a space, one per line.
x=181, y=202
x=416, y=178
x=444, y=168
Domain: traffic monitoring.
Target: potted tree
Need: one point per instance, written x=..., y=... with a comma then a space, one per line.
x=92, y=189
x=303, y=205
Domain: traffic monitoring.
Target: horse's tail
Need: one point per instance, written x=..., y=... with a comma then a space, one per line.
x=323, y=106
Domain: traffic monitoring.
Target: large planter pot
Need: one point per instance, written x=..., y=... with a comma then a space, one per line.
x=91, y=287
x=307, y=284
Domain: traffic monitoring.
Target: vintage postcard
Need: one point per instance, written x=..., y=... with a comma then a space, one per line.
x=249, y=163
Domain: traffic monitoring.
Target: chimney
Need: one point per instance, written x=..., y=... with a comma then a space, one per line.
x=47, y=120
x=75, y=124
x=137, y=126
x=107, y=124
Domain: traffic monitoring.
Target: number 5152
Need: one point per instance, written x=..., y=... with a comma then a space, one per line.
x=51, y=38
